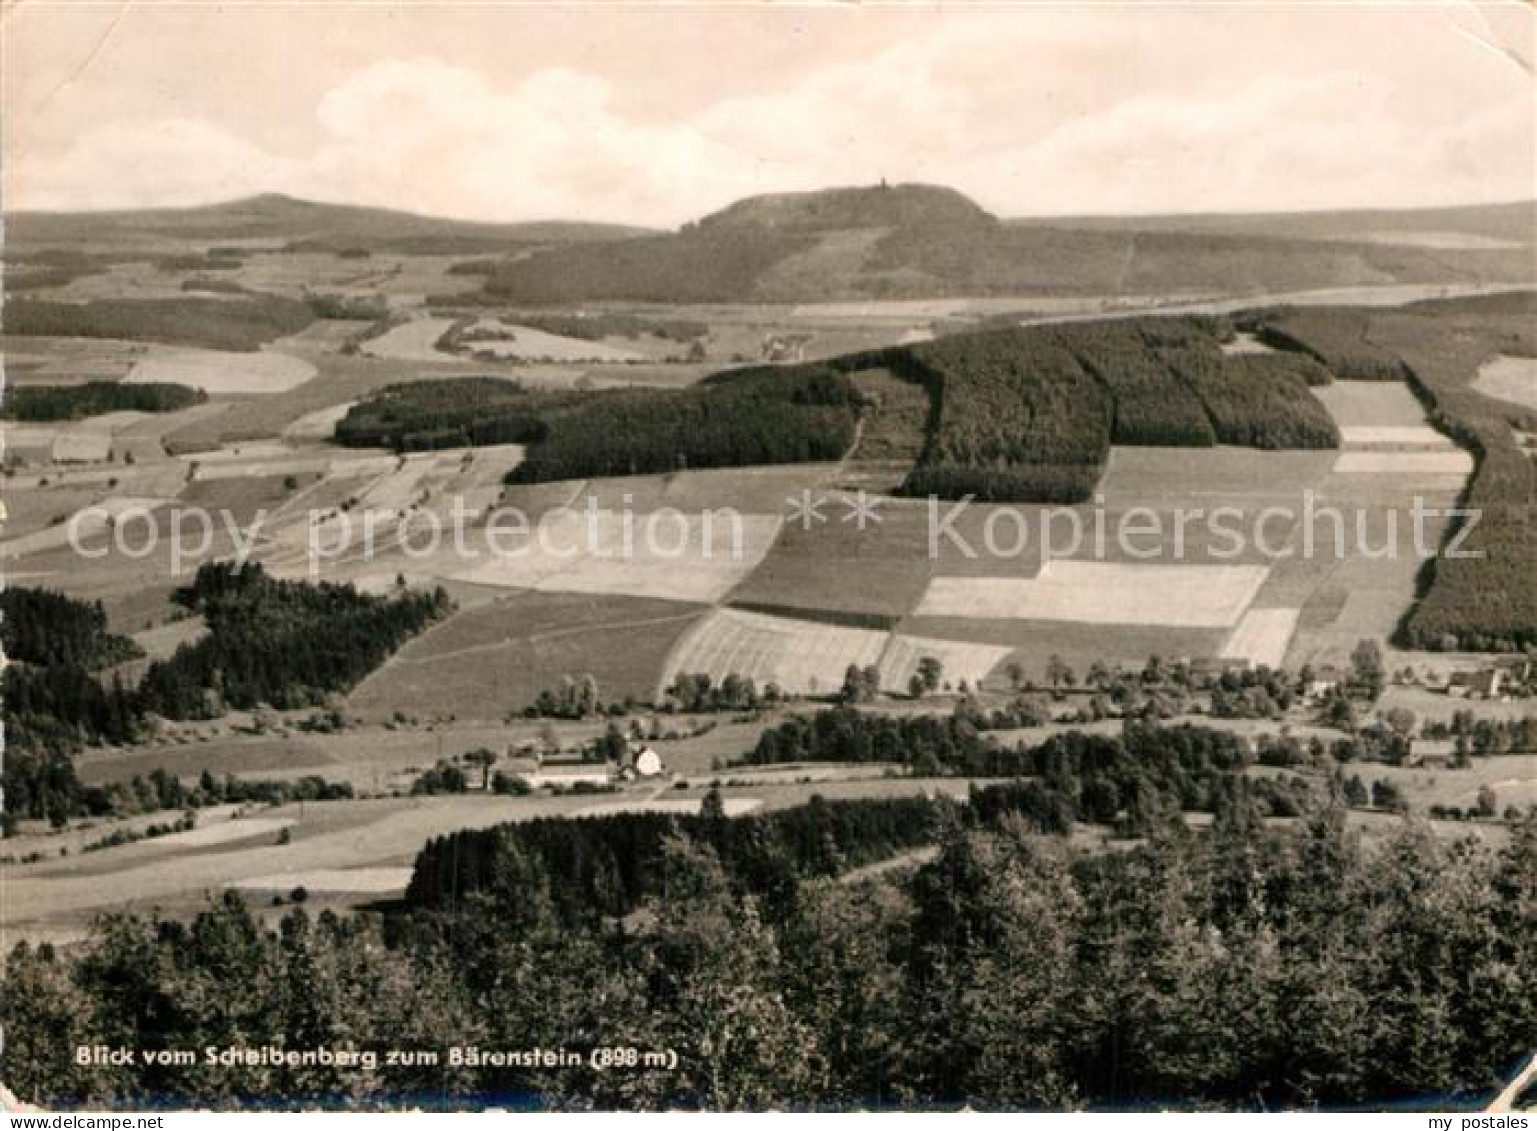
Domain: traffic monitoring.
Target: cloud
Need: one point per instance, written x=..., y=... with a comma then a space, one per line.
x=1079, y=112
x=165, y=162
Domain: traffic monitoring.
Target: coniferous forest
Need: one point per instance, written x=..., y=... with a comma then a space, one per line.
x=93, y=398
x=1023, y=414
x=269, y=642
x=1251, y=966
x=280, y=643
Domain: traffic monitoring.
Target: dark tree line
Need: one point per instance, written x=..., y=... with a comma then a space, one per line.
x=44, y=627
x=242, y=324
x=93, y=398
x=802, y=414
x=581, y=870
x=55, y=703
x=457, y=412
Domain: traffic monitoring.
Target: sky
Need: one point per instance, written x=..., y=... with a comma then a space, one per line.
x=654, y=114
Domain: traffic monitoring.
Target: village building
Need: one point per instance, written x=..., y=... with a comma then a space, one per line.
x=1431, y=753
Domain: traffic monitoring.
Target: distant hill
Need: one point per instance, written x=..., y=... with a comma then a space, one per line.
x=922, y=241
x=1513, y=222
x=868, y=242
x=274, y=217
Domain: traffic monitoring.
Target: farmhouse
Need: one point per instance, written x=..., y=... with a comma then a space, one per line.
x=1483, y=684
x=566, y=779
x=1431, y=754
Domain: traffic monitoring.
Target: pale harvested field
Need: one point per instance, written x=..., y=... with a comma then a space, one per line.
x=1371, y=404
x=326, y=881
x=1262, y=637
x=1393, y=435
x=221, y=371
x=961, y=660
x=76, y=445
x=801, y=657
x=682, y=806
x=1512, y=379
x=1032, y=642
x=324, y=335
x=317, y=425
x=1411, y=465
x=1211, y=596
x=225, y=832
x=524, y=343
x=415, y=340
x=809, y=657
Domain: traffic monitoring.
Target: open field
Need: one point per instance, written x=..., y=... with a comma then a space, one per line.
x=798, y=656
x=960, y=660
x=1166, y=478
x=1418, y=465
x=325, y=881
x=1196, y=596
x=1512, y=379
x=524, y=343
x=220, y=371
x=317, y=425
x=86, y=530
x=414, y=340
x=496, y=658
x=734, y=806
x=1078, y=643
x=1262, y=637
x=1371, y=404
x=67, y=361
x=1393, y=435
x=810, y=657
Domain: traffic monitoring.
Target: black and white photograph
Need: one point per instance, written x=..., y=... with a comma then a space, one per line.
x=690, y=556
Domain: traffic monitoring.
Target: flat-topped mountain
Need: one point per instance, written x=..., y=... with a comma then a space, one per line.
x=924, y=241
x=842, y=209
